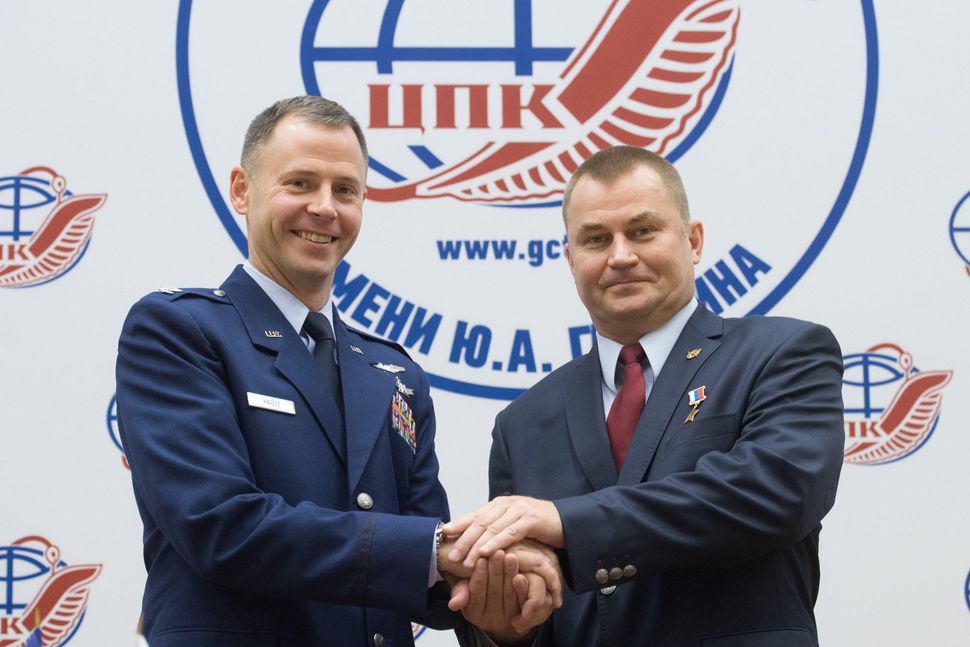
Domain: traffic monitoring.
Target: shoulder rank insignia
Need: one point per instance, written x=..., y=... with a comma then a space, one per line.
x=168, y=290
x=356, y=349
x=390, y=368
x=694, y=399
x=401, y=388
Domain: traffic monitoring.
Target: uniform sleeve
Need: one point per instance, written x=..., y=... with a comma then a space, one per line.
x=770, y=489
x=198, y=494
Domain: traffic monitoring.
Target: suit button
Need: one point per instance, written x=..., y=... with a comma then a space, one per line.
x=365, y=502
x=219, y=293
x=608, y=590
x=629, y=570
x=378, y=640
x=616, y=573
x=602, y=576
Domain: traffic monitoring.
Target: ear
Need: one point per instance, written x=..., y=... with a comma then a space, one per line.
x=695, y=235
x=239, y=182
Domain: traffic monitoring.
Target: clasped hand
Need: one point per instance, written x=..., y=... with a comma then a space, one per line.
x=500, y=563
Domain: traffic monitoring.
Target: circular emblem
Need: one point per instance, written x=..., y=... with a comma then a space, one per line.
x=113, y=433
x=476, y=115
x=960, y=230
x=42, y=599
x=891, y=407
x=44, y=229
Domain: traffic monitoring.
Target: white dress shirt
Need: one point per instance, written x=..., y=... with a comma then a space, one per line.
x=656, y=344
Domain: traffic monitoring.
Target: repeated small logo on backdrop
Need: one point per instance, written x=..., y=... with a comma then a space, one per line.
x=44, y=228
x=477, y=114
x=42, y=598
x=113, y=433
x=960, y=231
x=891, y=407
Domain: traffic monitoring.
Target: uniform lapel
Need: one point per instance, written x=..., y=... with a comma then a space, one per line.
x=583, y=401
x=367, y=393
x=703, y=331
x=293, y=360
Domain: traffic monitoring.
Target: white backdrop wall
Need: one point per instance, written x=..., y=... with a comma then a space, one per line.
x=824, y=144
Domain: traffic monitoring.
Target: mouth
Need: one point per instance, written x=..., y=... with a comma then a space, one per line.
x=314, y=238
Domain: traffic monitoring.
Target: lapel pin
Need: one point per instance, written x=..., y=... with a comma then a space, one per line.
x=390, y=368
x=273, y=334
x=694, y=399
x=402, y=389
x=694, y=352
x=356, y=349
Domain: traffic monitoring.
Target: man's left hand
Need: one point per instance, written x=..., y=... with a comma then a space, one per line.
x=500, y=523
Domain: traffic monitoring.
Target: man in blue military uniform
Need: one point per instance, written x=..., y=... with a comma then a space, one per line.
x=283, y=463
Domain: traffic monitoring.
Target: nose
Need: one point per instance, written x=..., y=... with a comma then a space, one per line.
x=322, y=203
x=622, y=253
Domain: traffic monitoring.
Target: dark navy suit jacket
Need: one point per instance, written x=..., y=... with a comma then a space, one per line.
x=253, y=531
x=712, y=526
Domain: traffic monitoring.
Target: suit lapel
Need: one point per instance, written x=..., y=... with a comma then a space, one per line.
x=367, y=393
x=587, y=422
x=702, y=331
x=259, y=314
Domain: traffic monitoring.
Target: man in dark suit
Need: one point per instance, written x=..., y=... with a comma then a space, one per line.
x=693, y=520
x=283, y=463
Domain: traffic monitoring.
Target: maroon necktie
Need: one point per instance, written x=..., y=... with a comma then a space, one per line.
x=628, y=405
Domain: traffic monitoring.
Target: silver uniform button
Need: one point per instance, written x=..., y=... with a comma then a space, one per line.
x=608, y=590
x=629, y=570
x=365, y=502
x=378, y=640
x=616, y=573
x=602, y=576
x=219, y=293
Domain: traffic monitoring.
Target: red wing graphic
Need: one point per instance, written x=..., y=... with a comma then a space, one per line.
x=60, y=602
x=639, y=80
x=57, y=244
x=906, y=421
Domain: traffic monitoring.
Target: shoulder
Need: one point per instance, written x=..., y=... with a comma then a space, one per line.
x=175, y=304
x=548, y=392
x=777, y=332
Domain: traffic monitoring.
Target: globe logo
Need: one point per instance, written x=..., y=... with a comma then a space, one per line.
x=38, y=244
x=42, y=598
x=960, y=230
x=505, y=119
x=891, y=408
x=476, y=115
x=114, y=434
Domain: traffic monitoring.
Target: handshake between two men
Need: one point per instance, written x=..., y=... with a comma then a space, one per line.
x=499, y=560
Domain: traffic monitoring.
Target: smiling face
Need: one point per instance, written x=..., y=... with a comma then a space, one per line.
x=630, y=253
x=302, y=198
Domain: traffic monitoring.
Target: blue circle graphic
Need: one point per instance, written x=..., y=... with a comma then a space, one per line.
x=507, y=393
x=31, y=566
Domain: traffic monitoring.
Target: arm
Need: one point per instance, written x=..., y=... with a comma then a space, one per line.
x=197, y=491
x=770, y=489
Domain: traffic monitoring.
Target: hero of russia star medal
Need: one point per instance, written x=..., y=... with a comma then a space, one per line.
x=694, y=399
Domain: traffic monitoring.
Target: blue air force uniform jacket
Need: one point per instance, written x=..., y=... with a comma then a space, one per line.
x=269, y=518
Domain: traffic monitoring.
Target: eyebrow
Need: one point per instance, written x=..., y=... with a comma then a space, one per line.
x=636, y=219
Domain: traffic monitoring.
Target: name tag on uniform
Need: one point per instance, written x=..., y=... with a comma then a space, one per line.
x=269, y=402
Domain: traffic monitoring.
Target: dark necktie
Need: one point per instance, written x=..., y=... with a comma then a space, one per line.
x=318, y=327
x=628, y=405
